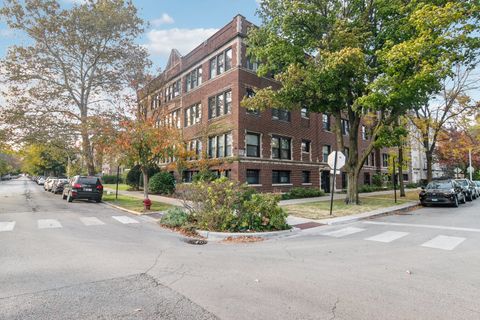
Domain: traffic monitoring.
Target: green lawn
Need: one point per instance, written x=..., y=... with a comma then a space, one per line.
x=134, y=204
x=121, y=186
x=321, y=209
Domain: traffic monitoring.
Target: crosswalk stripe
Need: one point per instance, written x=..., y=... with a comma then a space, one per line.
x=387, y=236
x=48, y=223
x=444, y=242
x=91, y=221
x=7, y=226
x=343, y=232
x=124, y=219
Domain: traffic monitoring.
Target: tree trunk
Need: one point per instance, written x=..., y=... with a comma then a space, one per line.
x=429, y=156
x=87, y=152
x=145, y=183
x=400, y=171
x=352, y=187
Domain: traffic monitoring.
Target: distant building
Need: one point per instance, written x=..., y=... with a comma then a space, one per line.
x=271, y=150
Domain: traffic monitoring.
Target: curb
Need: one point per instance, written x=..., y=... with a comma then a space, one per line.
x=219, y=236
x=368, y=215
x=123, y=209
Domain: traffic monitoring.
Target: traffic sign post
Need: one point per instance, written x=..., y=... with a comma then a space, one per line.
x=336, y=160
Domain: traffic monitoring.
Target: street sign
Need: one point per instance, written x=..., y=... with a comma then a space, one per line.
x=340, y=159
x=457, y=170
x=470, y=169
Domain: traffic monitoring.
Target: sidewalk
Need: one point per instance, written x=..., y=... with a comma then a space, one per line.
x=336, y=196
x=153, y=197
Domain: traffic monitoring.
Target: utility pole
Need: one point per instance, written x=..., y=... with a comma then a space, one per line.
x=470, y=163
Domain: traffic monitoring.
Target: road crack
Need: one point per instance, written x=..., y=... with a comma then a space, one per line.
x=334, y=309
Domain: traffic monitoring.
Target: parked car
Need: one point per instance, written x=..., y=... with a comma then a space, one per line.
x=442, y=192
x=57, y=186
x=82, y=187
x=47, y=186
x=477, y=186
x=468, y=188
x=41, y=181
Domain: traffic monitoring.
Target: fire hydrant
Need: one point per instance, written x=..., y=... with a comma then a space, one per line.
x=147, y=203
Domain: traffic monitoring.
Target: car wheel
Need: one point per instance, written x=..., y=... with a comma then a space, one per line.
x=64, y=197
x=98, y=200
x=469, y=197
x=455, y=202
x=464, y=199
x=69, y=198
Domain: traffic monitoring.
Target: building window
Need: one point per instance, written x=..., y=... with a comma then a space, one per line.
x=326, y=122
x=253, y=144
x=280, y=176
x=364, y=133
x=366, y=178
x=172, y=119
x=326, y=150
x=220, y=105
x=252, y=64
x=194, y=148
x=372, y=159
x=281, y=148
x=345, y=127
x=193, y=115
x=305, y=176
x=405, y=177
x=221, y=63
x=220, y=146
x=253, y=176
x=193, y=79
x=384, y=160
x=344, y=180
x=187, y=176
x=305, y=113
x=306, y=146
x=280, y=114
x=250, y=94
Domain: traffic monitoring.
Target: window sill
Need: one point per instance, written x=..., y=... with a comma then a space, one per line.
x=284, y=121
x=282, y=184
x=307, y=184
x=254, y=185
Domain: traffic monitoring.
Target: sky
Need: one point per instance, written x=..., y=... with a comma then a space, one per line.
x=179, y=24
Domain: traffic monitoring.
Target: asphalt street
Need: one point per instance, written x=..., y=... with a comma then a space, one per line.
x=84, y=260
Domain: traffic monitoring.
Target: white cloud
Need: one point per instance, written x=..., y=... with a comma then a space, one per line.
x=164, y=19
x=161, y=42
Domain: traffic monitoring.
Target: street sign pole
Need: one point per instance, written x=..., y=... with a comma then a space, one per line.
x=470, y=163
x=394, y=181
x=116, y=189
x=333, y=183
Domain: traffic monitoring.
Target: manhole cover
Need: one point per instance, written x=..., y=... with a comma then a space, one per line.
x=195, y=241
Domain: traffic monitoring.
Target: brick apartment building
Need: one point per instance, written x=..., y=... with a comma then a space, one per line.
x=272, y=150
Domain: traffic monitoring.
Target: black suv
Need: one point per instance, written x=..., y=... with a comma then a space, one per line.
x=442, y=192
x=82, y=187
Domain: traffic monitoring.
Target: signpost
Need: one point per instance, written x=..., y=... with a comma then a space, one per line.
x=336, y=160
x=394, y=180
x=457, y=171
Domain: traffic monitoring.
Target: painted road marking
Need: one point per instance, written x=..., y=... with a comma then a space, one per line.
x=7, y=226
x=48, y=223
x=443, y=242
x=124, y=219
x=343, y=232
x=91, y=221
x=387, y=236
x=428, y=226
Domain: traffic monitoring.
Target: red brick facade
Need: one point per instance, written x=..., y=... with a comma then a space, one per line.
x=238, y=79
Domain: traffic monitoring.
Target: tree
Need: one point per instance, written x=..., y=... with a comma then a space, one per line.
x=453, y=102
x=76, y=63
x=144, y=143
x=48, y=159
x=354, y=58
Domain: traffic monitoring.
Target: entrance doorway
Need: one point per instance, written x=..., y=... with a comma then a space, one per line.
x=325, y=181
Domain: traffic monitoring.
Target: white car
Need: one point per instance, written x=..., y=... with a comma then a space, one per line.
x=477, y=186
x=41, y=181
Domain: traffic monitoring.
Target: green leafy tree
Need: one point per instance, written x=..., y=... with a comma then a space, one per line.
x=75, y=64
x=359, y=60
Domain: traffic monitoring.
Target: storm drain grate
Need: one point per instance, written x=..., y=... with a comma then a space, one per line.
x=195, y=241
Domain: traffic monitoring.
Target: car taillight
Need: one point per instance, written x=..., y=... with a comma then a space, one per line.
x=77, y=185
x=99, y=187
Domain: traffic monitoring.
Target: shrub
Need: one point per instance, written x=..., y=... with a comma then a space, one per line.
x=162, y=183
x=174, y=218
x=225, y=205
x=298, y=193
x=369, y=188
x=411, y=185
x=134, y=176
x=377, y=179
x=111, y=179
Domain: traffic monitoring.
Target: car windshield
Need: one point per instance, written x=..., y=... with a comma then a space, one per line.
x=477, y=183
x=440, y=185
x=463, y=182
x=88, y=180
